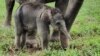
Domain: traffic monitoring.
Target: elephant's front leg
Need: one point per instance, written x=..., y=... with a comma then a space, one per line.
x=43, y=32
x=71, y=12
x=70, y=9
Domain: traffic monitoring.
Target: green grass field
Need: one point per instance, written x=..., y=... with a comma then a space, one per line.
x=85, y=33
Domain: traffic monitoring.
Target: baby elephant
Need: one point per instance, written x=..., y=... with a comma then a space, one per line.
x=33, y=19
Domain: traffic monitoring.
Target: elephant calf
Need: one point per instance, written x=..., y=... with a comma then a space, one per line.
x=33, y=19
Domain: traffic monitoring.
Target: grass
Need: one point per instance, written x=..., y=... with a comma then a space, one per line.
x=85, y=33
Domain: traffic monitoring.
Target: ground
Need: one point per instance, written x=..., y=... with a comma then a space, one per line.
x=85, y=34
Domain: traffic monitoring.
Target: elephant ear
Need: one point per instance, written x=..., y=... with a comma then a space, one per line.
x=46, y=15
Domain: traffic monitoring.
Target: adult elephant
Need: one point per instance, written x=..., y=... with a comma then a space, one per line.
x=69, y=8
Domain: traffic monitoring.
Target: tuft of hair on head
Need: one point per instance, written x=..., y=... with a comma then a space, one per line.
x=55, y=11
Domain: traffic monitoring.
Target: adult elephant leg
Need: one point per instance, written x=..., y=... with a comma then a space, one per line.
x=70, y=9
x=9, y=9
x=71, y=12
x=61, y=4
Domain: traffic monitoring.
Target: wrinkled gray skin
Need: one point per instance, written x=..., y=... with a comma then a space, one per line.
x=69, y=8
x=35, y=18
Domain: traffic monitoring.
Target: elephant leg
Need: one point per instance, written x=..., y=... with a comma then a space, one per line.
x=70, y=9
x=9, y=9
x=71, y=12
x=43, y=31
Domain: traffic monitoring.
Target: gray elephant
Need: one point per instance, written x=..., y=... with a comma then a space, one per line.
x=35, y=18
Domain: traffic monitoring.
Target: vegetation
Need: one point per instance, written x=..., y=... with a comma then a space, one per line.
x=85, y=34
